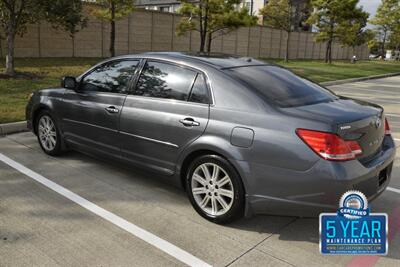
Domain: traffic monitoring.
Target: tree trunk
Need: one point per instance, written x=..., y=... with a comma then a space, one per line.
x=1, y=48
x=73, y=44
x=204, y=28
x=10, y=53
x=328, y=55
x=202, y=41
x=328, y=52
x=287, y=47
x=383, y=45
x=112, y=31
x=209, y=40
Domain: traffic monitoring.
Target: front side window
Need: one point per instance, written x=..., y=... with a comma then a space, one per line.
x=111, y=77
x=163, y=80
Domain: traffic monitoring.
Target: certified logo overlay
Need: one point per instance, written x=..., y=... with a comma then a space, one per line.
x=353, y=229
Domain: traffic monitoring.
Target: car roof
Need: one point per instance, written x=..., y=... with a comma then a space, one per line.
x=216, y=60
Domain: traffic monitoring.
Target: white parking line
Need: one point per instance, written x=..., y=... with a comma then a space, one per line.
x=365, y=89
x=146, y=236
x=370, y=99
x=392, y=115
x=393, y=189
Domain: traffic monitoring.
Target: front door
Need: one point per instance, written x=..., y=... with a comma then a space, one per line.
x=91, y=113
x=168, y=110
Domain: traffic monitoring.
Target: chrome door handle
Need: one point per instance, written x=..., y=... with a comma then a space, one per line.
x=189, y=122
x=112, y=109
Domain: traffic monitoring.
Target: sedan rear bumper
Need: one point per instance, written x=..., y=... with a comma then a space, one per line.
x=283, y=192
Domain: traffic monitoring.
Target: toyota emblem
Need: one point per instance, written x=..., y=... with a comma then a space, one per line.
x=378, y=123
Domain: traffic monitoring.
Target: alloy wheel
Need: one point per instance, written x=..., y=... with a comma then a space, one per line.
x=47, y=133
x=212, y=189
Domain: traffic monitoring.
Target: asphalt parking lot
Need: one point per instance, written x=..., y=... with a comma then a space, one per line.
x=101, y=221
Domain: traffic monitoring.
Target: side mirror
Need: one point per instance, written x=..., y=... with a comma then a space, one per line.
x=69, y=82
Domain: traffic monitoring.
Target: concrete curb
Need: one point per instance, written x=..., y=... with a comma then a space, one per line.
x=13, y=127
x=360, y=79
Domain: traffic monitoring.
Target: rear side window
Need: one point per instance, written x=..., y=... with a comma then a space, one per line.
x=163, y=80
x=112, y=77
x=199, y=92
x=281, y=86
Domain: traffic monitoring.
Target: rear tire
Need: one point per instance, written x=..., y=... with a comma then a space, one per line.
x=48, y=134
x=215, y=189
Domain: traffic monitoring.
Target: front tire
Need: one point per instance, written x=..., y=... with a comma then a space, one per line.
x=215, y=189
x=48, y=134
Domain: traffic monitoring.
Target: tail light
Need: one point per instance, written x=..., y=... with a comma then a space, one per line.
x=330, y=146
x=387, y=128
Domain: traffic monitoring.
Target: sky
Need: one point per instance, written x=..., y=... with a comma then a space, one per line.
x=370, y=6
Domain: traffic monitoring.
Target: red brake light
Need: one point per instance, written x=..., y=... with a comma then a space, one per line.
x=330, y=146
x=387, y=127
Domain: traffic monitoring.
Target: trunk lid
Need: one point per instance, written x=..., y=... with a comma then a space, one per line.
x=353, y=120
x=368, y=132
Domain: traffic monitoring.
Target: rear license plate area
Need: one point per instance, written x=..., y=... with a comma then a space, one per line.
x=384, y=175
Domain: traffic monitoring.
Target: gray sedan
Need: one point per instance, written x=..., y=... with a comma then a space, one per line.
x=241, y=135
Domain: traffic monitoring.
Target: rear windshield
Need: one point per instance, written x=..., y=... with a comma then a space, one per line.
x=281, y=86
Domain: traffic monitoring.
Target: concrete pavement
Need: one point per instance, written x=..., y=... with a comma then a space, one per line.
x=42, y=228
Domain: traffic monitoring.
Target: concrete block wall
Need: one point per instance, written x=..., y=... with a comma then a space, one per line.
x=144, y=31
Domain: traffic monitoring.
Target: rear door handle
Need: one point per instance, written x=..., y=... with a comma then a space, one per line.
x=189, y=122
x=112, y=109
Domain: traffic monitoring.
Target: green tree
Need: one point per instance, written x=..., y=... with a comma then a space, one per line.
x=111, y=11
x=352, y=32
x=66, y=15
x=212, y=18
x=16, y=14
x=374, y=46
x=395, y=40
x=387, y=20
x=331, y=17
x=283, y=15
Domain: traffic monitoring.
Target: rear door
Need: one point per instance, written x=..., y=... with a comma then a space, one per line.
x=91, y=113
x=168, y=110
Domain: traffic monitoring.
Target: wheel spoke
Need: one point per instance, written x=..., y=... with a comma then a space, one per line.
x=223, y=181
x=227, y=193
x=214, y=208
x=52, y=140
x=223, y=203
x=206, y=172
x=199, y=179
x=199, y=190
x=48, y=122
x=204, y=202
x=51, y=126
x=42, y=124
x=215, y=173
x=48, y=143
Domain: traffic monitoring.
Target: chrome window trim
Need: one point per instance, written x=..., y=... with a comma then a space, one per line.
x=182, y=65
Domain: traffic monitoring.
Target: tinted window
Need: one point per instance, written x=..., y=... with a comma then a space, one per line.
x=165, y=81
x=199, y=92
x=111, y=77
x=282, y=86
